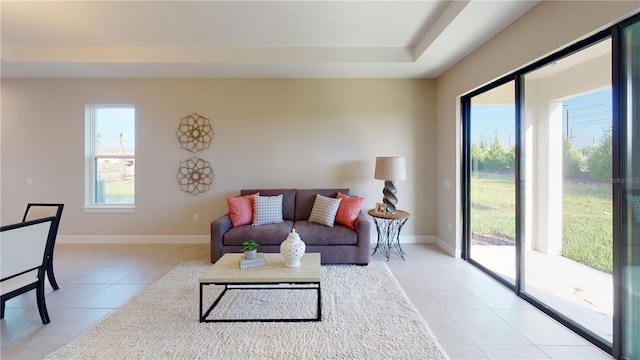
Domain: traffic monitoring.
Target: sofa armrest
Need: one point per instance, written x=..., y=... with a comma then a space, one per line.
x=219, y=227
x=363, y=229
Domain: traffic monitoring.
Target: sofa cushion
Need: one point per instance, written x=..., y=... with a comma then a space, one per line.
x=305, y=198
x=241, y=209
x=267, y=210
x=349, y=209
x=288, y=199
x=324, y=210
x=271, y=234
x=316, y=234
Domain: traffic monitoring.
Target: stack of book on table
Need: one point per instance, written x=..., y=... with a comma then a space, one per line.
x=258, y=261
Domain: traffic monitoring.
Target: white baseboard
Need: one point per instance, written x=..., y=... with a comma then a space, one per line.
x=456, y=253
x=204, y=239
x=193, y=239
x=133, y=239
x=417, y=239
x=428, y=239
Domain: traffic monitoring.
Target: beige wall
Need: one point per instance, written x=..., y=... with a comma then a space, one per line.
x=548, y=27
x=272, y=133
x=268, y=133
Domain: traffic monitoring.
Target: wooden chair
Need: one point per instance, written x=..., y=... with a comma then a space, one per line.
x=24, y=250
x=42, y=210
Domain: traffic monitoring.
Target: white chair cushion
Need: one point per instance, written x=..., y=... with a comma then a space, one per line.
x=22, y=249
x=18, y=282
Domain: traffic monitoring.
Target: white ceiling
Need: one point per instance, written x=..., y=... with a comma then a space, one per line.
x=246, y=39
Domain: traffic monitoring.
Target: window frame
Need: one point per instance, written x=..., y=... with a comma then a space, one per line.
x=91, y=158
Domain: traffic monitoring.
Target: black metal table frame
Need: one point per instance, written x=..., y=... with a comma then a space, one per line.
x=389, y=236
x=260, y=286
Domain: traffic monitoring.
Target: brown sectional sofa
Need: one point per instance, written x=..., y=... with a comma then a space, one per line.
x=337, y=245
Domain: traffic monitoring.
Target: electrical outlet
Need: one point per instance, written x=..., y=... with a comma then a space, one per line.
x=449, y=226
x=447, y=184
x=29, y=181
x=195, y=217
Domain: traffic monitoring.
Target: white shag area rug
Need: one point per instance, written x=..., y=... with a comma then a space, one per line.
x=365, y=315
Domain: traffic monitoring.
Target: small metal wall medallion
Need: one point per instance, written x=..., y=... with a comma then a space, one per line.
x=194, y=175
x=194, y=133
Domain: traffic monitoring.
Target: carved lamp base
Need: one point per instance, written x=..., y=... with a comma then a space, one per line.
x=390, y=198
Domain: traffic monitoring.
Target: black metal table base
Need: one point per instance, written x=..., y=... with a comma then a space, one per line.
x=389, y=236
x=262, y=286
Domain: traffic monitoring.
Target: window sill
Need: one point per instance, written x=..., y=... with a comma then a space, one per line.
x=109, y=209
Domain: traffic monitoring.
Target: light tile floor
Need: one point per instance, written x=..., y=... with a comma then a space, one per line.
x=471, y=315
x=579, y=292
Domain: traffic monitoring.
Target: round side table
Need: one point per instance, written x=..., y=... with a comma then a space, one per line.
x=389, y=227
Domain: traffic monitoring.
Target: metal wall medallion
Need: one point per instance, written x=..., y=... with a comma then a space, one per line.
x=194, y=133
x=194, y=175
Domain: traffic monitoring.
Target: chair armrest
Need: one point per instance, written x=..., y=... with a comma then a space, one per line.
x=219, y=227
x=363, y=229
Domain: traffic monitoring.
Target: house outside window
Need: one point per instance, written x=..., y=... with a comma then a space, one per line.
x=110, y=158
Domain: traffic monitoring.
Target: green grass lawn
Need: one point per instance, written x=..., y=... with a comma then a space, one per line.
x=587, y=223
x=119, y=191
x=587, y=227
x=493, y=203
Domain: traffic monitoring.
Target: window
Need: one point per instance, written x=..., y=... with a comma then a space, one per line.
x=110, y=157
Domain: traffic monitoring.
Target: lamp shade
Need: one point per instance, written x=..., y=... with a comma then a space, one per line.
x=390, y=168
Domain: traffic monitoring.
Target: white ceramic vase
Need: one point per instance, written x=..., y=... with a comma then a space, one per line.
x=292, y=249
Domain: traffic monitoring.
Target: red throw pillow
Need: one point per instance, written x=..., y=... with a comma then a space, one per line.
x=241, y=209
x=349, y=209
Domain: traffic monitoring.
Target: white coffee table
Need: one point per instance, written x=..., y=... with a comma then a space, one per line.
x=226, y=272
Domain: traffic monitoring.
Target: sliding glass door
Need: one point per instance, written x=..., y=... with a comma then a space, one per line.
x=568, y=255
x=492, y=181
x=629, y=184
x=551, y=185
